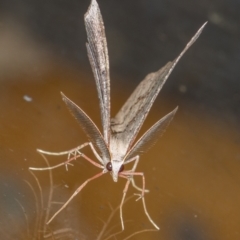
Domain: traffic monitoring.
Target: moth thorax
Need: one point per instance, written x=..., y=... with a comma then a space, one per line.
x=116, y=166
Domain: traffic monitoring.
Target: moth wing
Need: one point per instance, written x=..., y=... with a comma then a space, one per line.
x=98, y=57
x=128, y=121
x=88, y=126
x=151, y=136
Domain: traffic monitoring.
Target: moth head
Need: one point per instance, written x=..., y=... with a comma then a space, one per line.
x=115, y=167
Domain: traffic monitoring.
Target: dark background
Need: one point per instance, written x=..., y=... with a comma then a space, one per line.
x=161, y=29
x=42, y=52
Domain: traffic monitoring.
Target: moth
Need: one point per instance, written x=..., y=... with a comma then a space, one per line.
x=117, y=146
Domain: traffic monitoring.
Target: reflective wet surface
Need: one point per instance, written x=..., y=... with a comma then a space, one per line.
x=193, y=170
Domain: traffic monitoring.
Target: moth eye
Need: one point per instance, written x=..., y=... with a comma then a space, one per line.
x=109, y=166
x=121, y=168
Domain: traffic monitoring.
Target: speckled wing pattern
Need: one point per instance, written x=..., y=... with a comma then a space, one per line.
x=98, y=57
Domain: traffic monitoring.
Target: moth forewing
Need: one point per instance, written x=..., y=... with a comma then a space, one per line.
x=131, y=116
x=89, y=128
x=98, y=57
x=150, y=137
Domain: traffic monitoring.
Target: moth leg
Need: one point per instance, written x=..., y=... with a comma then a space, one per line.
x=68, y=162
x=138, y=188
x=136, y=159
x=73, y=152
x=130, y=175
x=147, y=214
x=123, y=198
x=74, y=194
x=76, y=153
